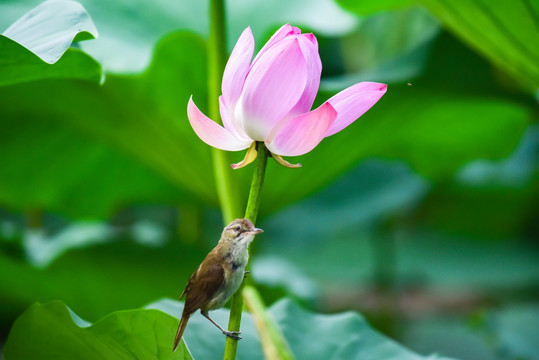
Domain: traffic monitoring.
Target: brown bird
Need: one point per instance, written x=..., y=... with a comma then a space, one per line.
x=219, y=275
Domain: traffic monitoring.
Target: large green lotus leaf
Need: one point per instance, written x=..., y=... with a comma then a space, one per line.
x=46, y=165
x=341, y=336
x=129, y=29
x=338, y=336
x=204, y=340
x=130, y=137
x=53, y=331
x=49, y=29
x=504, y=31
x=34, y=47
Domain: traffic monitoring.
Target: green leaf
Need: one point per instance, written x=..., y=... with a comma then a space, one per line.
x=339, y=336
x=367, y=7
x=130, y=136
x=52, y=331
x=49, y=29
x=504, y=31
x=34, y=47
x=71, y=174
x=204, y=340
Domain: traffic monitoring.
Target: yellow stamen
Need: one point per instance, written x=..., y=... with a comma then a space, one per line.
x=250, y=156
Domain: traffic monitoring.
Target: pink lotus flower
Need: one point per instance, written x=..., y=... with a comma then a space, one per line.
x=269, y=99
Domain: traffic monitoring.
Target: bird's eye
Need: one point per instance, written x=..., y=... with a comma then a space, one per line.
x=237, y=228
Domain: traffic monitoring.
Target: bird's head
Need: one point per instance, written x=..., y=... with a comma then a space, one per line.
x=240, y=232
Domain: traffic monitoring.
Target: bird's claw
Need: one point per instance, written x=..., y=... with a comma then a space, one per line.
x=233, y=334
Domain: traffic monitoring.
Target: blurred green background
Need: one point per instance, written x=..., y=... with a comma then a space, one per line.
x=422, y=215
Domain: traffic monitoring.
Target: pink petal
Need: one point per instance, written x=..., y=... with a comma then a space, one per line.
x=353, y=102
x=212, y=133
x=237, y=67
x=309, y=49
x=229, y=121
x=273, y=87
x=312, y=39
x=303, y=133
x=284, y=31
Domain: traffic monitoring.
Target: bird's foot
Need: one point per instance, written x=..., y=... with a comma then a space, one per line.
x=233, y=334
x=245, y=273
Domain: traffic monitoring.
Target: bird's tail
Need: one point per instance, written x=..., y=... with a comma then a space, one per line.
x=179, y=333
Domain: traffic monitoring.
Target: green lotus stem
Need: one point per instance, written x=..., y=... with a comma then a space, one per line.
x=225, y=190
x=251, y=212
x=230, y=203
x=223, y=172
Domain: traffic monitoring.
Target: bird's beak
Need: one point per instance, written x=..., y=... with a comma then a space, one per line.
x=256, y=231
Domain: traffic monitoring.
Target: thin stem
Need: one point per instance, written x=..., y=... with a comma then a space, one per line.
x=253, y=203
x=230, y=205
x=216, y=53
x=236, y=305
x=223, y=172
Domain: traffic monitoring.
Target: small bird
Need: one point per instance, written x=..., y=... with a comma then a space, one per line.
x=218, y=276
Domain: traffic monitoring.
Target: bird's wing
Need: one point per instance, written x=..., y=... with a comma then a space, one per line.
x=188, y=286
x=202, y=286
